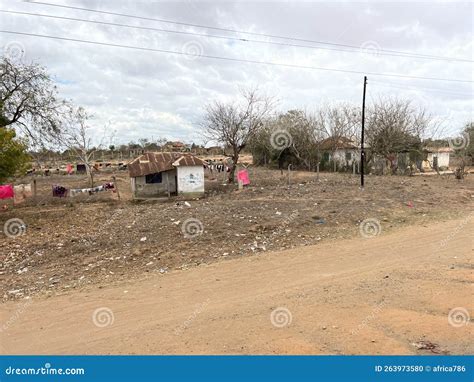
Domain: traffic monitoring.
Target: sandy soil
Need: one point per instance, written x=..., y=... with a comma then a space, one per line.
x=390, y=294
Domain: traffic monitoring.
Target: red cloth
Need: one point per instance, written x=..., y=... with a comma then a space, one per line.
x=243, y=176
x=69, y=169
x=6, y=191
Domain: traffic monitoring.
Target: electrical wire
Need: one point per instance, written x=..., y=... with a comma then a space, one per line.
x=232, y=59
x=420, y=88
x=239, y=31
x=363, y=51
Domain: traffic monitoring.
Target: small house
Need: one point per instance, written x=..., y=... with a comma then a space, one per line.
x=154, y=175
x=437, y=158
x=341, y=152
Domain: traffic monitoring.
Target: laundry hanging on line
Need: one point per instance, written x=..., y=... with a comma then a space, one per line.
x=92, y=190
x=6, y=191
x=22, y=191
x=243, y=176
x=60, y=191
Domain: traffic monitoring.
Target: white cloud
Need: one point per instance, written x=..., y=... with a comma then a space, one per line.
x=148, y=94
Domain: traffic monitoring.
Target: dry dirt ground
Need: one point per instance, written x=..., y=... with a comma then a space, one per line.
x=391, y=294
x=395, y=289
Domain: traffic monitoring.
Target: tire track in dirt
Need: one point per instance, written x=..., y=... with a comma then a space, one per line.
x=317, y=284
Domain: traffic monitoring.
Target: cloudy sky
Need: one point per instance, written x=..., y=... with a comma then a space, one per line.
x=148, y=94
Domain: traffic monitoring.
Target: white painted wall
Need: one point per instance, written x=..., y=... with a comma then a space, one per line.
x=443, y=158
x=190, y=179
x=340, y=156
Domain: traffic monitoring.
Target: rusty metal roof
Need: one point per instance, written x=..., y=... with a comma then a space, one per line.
x=332, y=143
x=188, y=160
x=151, y=163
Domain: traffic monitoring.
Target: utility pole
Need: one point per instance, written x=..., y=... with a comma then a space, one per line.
x=362, y=151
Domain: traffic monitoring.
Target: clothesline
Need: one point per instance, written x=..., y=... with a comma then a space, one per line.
x=61, y=192
x=19, y=192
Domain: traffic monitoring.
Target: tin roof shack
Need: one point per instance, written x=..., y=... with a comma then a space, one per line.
x=154, y=175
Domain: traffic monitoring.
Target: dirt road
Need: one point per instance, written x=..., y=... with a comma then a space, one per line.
x=387, y=295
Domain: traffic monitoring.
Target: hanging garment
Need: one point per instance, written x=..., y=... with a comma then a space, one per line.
x=22, y=191
x=69, y=169
x=59, y=191
x=74, y=191
x=6, y=191
x=96, y=189
x=243, y=176
x=106, y=186
x=109, y=185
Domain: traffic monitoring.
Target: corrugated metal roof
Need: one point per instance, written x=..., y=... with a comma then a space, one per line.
x=188, y=160
x=332, y=143
x=151, y=163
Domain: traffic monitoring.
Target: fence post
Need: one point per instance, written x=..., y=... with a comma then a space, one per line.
x=116, y=187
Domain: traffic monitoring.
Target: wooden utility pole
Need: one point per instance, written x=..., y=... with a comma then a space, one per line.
x=362, y=151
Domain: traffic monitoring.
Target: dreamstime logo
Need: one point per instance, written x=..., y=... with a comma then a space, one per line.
x=103, y=317
x=14, y=51
x=369, y=228
x=459, y=143
x=281, y=317
x=14, y=227
x=458, y=317
x=371, y=48
x=192, y=227
x=281, y=139
x=372, y=316
x=16, y=315
x=200, y=308
x=192, y=50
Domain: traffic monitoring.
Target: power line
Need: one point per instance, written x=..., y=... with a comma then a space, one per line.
x=244, y=32
x=408, y=55
x=429, y=91
x=414, y=87
x=232, y=59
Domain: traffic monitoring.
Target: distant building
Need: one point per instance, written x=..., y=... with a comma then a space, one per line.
x=166, y=174
x=437, y=157
x=341, y=152
x=214, y=150
x=177, y=146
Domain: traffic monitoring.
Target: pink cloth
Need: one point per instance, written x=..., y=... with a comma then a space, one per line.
x=6, y=191
x=69, y=169
x=243, y=176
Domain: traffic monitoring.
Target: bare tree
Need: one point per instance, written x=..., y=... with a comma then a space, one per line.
x=161, y=142
x=75, y=136
x=340, y=124
x=233, y=124
x=305, y=136
x=394, y=126
x=29, y=99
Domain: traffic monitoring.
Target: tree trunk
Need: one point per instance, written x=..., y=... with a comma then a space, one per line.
x=90, y=175
x=235, y=159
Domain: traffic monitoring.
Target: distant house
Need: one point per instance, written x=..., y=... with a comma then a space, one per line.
x=437, y=157
x=177, y=146
x=166, y=174
x=342, y=152
x=214, y=150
